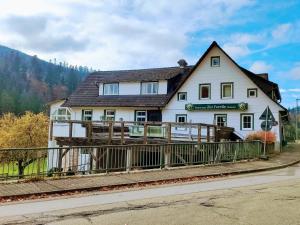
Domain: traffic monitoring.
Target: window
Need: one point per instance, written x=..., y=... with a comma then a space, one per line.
x=110, y=115
x=111, y=89
x=204, y=91
x=148, y=88
x=87, y=115
x=247, y=122
x=252, y=93
x=140, y=116
x=181, y=118
x=221, y=120
x=61, y=114
x=215, y=61
x=226, y=90
x=182, y=96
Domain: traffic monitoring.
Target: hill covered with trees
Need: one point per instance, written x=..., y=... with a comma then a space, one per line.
x=27, y=83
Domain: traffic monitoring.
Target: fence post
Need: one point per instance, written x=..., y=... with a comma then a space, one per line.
x=107, y=160
x=60, y=160
x=161, y=157
x=167, y=156
x=128, y=159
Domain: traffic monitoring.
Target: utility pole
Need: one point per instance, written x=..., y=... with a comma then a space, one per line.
x=297, y=118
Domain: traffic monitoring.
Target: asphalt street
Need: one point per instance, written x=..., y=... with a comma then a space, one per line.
x=219, y=201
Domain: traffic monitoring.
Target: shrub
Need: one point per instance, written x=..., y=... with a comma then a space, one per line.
x=268, y=136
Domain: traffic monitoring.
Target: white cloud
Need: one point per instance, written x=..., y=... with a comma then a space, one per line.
x=260, y=67
x=280, y=32
x=237, y=44
x=294, y=90
x=113, y=34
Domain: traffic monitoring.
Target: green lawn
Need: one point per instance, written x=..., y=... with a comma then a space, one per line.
x=11, y=169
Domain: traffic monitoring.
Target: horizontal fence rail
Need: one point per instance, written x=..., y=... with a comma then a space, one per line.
x=68, y=161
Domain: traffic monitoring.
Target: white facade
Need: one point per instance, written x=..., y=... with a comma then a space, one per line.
x=227, y=72
x=205, y=73
x=134, y=88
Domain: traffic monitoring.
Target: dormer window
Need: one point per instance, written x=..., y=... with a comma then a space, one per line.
x=149, y=88
x=215, y=61
x=111, y=89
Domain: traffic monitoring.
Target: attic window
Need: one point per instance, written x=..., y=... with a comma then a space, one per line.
x=111, y=89
x=215, y=61
x=252, y=92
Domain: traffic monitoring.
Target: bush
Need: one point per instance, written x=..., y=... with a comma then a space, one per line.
x=268, y=136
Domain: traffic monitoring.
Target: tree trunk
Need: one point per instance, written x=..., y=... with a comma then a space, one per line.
x=21, y=168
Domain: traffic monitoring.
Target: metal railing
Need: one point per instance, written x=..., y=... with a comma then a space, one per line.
x=67, y=161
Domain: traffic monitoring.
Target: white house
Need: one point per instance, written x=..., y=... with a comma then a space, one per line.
x=216, y=90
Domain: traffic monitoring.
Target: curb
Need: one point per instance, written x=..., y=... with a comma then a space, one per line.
x=213, y=175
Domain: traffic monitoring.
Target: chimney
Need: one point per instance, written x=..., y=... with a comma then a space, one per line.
x=182, y=63
x=263, y=75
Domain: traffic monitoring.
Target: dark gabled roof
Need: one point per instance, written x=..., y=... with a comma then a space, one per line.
x=265, y=85
x=156, y=101
x=153, y=74
x=87, y=94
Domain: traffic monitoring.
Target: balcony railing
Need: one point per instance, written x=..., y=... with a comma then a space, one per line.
x=130, y=132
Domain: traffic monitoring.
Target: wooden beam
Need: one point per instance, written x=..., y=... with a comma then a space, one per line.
x=110, y=132
x=208, y=134
x=169, y=131
x=51, y=130
x=216, y=134
x=199, y=134
x=122, y=133
x=89, y=131
x=70, y=130
x=145, y=133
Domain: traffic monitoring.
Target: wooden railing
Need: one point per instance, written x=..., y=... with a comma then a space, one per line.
x=122, y=132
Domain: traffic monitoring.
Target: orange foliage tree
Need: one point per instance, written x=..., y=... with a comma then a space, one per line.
x=27, y=131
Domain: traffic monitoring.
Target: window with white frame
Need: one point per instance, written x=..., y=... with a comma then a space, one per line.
x=149, y=88
x=140, y=116
x=226, y=90
x=215, y=61
x=247, y=122
x=182, y=96
x=204, y=91
x=61, y=114
x=110, y=114
x=221, y=120
x=87, y=115
x=111, y=89
x=181, y=118
x=252, y=92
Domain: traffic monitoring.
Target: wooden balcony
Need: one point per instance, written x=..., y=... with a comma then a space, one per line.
x=131, y=132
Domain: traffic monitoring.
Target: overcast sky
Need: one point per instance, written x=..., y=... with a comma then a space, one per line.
x=263, y=36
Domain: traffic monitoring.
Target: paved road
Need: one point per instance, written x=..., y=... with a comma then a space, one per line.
x=186, y=202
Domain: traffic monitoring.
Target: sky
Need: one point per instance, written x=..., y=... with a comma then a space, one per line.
x=261, y=35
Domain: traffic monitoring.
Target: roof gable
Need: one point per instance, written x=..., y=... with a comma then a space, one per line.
x=264, y=85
